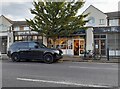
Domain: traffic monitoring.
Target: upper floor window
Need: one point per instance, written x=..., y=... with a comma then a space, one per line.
x=101, y=21
x=113, y=22
x=16, y=28
x=26, y=28
x=4, y=27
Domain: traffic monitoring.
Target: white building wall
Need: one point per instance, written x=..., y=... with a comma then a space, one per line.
x=9, y=39
x=95, y=16
x=5, y=27
x=45, y=41
x=4, y=24
x=89, y=39
x=97, y=19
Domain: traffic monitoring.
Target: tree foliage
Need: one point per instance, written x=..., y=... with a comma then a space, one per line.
x=55, y=19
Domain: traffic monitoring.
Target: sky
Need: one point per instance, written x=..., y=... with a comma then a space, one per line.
x=18, y=10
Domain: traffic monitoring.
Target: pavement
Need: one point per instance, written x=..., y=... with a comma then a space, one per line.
x=78, y=59
x=102, y=60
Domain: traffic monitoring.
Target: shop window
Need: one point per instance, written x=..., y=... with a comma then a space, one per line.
x=99, y=36
x=19, y=38
x=82, y=43
x=96, y=36
x=70, y=44
x=24, y=38
x=59, y=43
x=16, y=38
x=103, y=36
x=39, y=37
x=113, y=41
x=34, y=37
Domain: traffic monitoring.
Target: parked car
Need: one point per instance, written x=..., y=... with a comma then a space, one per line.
x=29, y=50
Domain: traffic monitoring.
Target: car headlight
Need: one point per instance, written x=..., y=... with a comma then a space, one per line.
x=56, y=51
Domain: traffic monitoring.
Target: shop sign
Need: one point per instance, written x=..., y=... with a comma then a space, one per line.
x=106, y=29
x=22, y=33
x=25, y=33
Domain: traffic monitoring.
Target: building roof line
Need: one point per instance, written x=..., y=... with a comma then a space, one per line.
x=95, y=8
x=7, y=19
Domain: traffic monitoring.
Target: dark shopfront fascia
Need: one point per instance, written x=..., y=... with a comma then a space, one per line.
x=27, y=36
x=107, y=37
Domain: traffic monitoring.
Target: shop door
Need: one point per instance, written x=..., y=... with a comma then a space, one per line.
x=79, y=46
x=4, y=44
x=70, y=47
x=76, y=47
x=100, y=46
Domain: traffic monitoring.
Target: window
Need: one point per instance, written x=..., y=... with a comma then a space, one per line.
x=113, y=22
x=103, y=36
x=113, y=41
x=102, y=22
x=100, y=36
x=22, y=45
x=3, y=27
x=26, y=28
x=59, y=43
x=32, y=45
x=16, y=28
x=96, y=36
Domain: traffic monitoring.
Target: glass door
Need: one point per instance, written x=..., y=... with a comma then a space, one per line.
x=4, y=44
x=79, y=46
x=103, y=47
x=100, y=46
x=76, y=47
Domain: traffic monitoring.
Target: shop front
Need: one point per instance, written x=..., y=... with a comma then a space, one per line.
x=3, y=46
x=74, y=45
x=26, y=36
x=100, y=44
x=107, y=38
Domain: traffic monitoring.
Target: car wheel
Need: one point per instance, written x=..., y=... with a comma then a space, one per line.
x=48, y=58
x=15, y=57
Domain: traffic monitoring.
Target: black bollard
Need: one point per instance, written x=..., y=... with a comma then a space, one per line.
x=108, y=54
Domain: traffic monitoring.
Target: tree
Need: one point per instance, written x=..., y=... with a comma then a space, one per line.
x=56, y=19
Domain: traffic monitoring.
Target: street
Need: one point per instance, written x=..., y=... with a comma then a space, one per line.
x=61, y=74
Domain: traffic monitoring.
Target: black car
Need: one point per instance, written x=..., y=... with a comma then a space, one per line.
x=29, y=50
